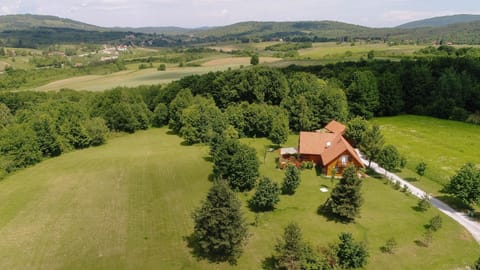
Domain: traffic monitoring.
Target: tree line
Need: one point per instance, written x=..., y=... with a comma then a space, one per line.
x=443, y=87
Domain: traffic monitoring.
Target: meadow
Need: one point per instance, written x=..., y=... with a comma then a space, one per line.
x=443, y=144
x=128, y=205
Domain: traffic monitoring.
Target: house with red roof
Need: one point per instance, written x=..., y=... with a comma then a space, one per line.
x=328, y=149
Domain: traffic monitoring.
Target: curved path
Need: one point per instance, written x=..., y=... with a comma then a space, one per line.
x=472, y=226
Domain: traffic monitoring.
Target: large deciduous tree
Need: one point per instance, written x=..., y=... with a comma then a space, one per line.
x=220, y=229
x=372, y=143
x=346, y=198
x=235, y=162
x=356, y=127
x=465, y=184
x=389, y=158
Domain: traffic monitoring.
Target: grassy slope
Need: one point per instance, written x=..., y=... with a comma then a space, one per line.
x=444, y=145
x=127, y=205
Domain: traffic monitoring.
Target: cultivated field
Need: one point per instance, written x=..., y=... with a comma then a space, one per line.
x=331, y=50
x=134, y=77
x=128, y=204
x=444, y=145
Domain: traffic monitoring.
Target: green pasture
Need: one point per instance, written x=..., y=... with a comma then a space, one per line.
x=128, y=205
x=129, y=78
x=443, y=144
x=331, y=50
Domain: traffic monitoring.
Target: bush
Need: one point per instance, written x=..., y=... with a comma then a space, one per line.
x=424, y=204
x=389, y=246
x=307, y=165
x=435, y=223
x=162, y=67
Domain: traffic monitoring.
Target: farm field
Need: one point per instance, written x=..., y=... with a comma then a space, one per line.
x=128, y=204
x=149, y=76
x=444, y=145
x=331, y=50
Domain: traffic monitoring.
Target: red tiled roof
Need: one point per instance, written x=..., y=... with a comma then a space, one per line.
x=335, y=127
x=328, y=145
x=314, y=143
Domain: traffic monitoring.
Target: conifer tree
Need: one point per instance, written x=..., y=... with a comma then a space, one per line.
x=220, y=229
x=345, y=201
x=291, y=180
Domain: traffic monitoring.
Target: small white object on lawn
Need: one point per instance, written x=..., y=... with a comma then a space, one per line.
x=324, y=189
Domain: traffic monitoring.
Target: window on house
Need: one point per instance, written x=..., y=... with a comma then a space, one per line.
x=344, y=160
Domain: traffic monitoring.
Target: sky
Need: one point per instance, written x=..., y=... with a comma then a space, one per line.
x=198, y=13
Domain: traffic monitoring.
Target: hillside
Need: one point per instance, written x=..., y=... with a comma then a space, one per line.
x=28, y=21
x=441, y=21
x=266, y=30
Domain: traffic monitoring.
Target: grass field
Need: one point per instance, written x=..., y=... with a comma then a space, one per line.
x=134, y=77
x=444, y=145
x=331, y=50
x=128, y=204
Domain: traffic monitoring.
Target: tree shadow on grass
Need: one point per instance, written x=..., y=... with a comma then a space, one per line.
x=324, y=211
x=374, y=174
x=420, y=243
x=411, y=179
x=199, y=254
x=454, y=203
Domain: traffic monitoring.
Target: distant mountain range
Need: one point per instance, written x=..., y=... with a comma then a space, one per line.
x=441, y=21
x=461, y=28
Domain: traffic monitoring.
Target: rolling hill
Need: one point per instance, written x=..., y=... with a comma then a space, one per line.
x=441, y=21
x=34, y=30
x=28, y=21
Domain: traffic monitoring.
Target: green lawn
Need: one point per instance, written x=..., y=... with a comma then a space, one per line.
x=444, y=145
x=128, y=204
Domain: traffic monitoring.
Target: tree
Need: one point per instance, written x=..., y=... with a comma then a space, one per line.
x=424, y=203
x=289, y=249
x=201, y=121
x=435, y=223
x=420, y=169
x=19, y=147
x=254, y=60
x=220, y=229
x=266, y=196
x=279, y=132
x=47, y=136
x=362, y=94
x=389, y=246
x=182, y=100
x=162, y=67
x=389, y=158
x=345, y=201
x=371, y=143
x=351, y=254
x=291, y=180
x=97, y=131
x=235, y=162
x=160, y=115
x=293, y=253
x=465, y=184
x=356, y=127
